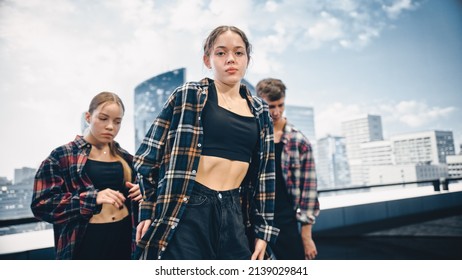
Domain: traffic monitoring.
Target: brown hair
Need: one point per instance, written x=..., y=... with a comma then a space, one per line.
x=101, y=99
x=208, y=44
x=273, y=89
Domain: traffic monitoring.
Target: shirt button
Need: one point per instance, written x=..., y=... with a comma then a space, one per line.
x=173, y=227
x=194, y=172
x=199, y=118
x=185, y=199
x=88, y=145
x=163, y=249
x=199, y=145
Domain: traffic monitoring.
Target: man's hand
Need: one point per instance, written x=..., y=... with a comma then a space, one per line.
x=308, y=243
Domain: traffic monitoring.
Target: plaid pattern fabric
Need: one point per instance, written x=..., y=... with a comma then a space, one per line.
x=168, y=158
x=65, y=197
x=299, y=173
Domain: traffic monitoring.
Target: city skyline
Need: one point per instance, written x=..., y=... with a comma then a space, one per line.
x=398, y=59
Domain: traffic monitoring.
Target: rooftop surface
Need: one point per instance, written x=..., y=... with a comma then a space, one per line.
x=427, y=237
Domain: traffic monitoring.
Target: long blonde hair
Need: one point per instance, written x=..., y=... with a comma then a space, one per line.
x=109, y=97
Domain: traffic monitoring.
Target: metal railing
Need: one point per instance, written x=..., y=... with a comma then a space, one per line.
x=438, y=184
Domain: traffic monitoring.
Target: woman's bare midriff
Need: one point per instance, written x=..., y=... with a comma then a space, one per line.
x=109, y=214
x=221, y=174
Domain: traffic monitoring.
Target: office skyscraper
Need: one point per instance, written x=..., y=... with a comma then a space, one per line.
x=150, y=96
x=302, y=118
x=332, y=164
x=356, y=132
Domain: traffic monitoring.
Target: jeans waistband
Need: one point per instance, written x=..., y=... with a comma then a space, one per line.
x=199, y=188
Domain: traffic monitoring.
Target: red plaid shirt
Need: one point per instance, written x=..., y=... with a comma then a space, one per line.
x=299, y=173
x=65, y=197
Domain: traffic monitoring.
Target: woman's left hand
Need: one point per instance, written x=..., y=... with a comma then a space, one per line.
x=134, y=192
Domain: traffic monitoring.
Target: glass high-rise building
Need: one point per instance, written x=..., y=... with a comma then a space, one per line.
x=303, y=119
x=150, y=97
x=356, y=132
x=332, y=164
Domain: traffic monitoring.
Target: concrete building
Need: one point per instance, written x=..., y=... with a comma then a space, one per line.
x=390, y=174
x=423, y=147
x=24, y=174
x=454, y=166
x=375, y=153
x=15, y=200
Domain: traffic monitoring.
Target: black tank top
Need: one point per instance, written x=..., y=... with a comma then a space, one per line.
x=227, y=134
x=105, y=175
x=283, y=207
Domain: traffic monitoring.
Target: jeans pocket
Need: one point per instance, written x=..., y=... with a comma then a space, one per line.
x=196, y=200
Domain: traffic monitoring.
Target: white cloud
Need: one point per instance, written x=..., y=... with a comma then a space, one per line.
x=417, y=114
x=327, y=28
x=56, y=55
x=329, y=120
x=397, y=7
x=271, y=6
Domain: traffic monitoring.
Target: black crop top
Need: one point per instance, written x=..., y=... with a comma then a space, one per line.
x=105, y=175
x=227, y=134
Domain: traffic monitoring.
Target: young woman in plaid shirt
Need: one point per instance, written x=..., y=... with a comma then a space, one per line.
x=206, y=165
x=85, y=189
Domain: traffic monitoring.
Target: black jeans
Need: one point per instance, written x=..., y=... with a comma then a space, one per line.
x=211, y=228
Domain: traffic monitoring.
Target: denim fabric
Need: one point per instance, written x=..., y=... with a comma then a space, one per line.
x=211, y=228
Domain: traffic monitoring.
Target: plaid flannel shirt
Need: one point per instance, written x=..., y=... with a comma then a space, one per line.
x=299, y=174
x=65, y=197
x=168, y=158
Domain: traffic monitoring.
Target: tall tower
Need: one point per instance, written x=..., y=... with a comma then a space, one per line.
x=150, y=97
x=303, y=119
x=332, y=164
x=356, y=132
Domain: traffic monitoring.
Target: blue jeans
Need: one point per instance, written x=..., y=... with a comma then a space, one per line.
x=211, y=228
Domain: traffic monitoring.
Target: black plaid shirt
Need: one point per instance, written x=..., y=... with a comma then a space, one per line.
x=168, y=158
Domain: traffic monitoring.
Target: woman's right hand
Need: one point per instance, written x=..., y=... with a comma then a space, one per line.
x=142, y=228
x=109, y=196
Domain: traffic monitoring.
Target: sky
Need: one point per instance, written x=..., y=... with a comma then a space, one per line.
x=400, y=59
